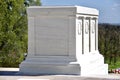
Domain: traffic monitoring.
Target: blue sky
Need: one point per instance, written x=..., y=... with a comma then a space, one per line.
x=109, y=10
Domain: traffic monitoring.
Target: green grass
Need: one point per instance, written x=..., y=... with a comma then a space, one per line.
x=113, y=65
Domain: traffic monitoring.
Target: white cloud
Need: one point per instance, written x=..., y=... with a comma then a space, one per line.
x=116, y=6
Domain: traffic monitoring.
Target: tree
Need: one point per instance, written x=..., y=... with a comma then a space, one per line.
x=13, y=31
x=109, y=42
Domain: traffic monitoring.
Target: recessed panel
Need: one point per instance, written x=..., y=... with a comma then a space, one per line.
x=51, y=36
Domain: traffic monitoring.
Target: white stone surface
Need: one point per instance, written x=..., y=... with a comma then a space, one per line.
x=63, y=40
x=12, y=74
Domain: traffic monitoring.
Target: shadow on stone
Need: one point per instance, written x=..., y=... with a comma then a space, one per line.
x=9, y=73
x=17, y=73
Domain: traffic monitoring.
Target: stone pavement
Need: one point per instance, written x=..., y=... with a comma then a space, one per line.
x=12, y=74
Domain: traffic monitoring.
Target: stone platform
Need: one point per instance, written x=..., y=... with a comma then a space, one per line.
x=13, y=74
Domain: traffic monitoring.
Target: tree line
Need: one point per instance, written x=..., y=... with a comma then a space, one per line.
x=109, y=42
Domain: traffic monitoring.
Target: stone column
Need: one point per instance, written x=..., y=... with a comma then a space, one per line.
x=96, y=34
x=86, y=35
x=79, y=36
x=92, y=34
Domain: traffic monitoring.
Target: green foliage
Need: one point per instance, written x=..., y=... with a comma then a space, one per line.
x=114, y=65
x=109, y=44
x=13, y=31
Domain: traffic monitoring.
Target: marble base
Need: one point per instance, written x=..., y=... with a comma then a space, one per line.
x=57, y=69
x=92, y=65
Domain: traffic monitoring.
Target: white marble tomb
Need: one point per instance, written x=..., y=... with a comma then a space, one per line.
x=63, y=40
